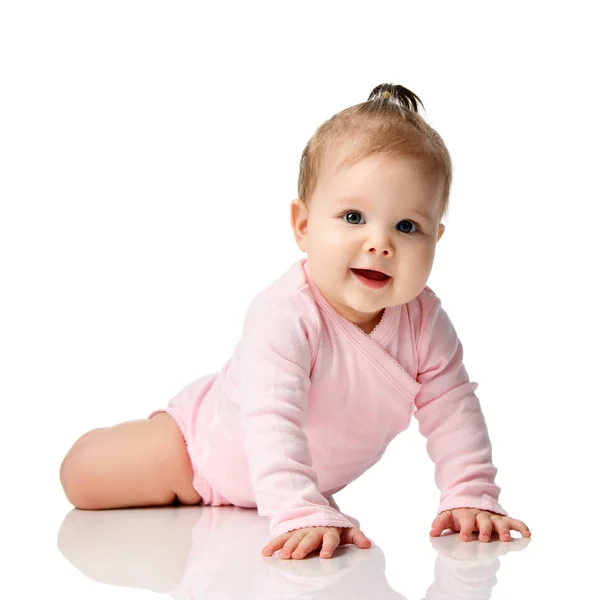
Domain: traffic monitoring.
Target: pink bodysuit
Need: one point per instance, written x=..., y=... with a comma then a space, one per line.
x=308, y=402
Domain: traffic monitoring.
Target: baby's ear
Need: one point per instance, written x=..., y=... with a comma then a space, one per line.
x=441, y=231
x=299, y=221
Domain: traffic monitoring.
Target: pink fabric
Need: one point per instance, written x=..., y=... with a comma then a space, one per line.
x=308, y=402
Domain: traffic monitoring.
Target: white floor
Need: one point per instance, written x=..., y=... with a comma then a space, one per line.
x=195, y=552
x=214, y=552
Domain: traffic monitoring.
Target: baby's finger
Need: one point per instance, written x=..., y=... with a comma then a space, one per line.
x=503, y=528
x=484, y=524
x=520, y=527
x=291, y=544
x=330, y=543
x=442, y=522
x=467, y=524
x=307, y=545
x=357, y=537
x=276, y=543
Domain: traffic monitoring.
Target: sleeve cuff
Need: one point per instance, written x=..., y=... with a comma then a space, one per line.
x=470, y=502
x=314, y=521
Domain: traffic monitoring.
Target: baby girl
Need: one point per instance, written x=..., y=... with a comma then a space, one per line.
x=334, y=357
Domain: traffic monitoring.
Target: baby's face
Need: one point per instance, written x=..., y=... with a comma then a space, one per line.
x=366, y=216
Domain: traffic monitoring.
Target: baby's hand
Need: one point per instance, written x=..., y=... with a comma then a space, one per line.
x=465, y=520
x=300, y=542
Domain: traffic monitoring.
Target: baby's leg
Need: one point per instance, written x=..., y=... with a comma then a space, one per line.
x=136, y=463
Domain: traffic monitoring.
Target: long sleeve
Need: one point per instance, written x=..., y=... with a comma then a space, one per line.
x=274, y=363
x=449, y=416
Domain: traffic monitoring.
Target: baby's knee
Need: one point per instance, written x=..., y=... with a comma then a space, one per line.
x=73, y=470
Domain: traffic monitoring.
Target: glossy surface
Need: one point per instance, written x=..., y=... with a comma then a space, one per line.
x=196, y=552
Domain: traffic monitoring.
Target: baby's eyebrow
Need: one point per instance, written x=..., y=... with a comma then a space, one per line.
x=424, y=215
x=357, y=201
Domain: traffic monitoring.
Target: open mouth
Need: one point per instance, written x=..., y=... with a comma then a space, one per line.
x=373, y=279
x=371, y=274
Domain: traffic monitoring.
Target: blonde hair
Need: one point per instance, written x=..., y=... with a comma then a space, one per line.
x=389, y=123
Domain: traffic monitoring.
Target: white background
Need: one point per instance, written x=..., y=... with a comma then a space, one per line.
x=148, y=156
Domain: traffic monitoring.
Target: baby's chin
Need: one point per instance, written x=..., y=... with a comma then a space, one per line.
x=367, y=308
x=370, y=306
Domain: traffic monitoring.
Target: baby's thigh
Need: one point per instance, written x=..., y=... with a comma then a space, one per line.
x=135, y=463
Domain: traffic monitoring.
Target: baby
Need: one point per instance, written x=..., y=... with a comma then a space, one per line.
x=334, y=357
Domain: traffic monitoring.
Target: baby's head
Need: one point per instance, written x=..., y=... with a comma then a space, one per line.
x=373, y=187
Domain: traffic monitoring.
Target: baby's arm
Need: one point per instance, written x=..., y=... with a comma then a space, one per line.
x=272, y=366
x=450, y=417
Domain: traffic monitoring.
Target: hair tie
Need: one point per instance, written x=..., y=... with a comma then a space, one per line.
x=387, y=94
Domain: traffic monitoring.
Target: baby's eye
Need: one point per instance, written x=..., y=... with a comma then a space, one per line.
x=407, y=221
x=399, y=226
x=352, y=212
